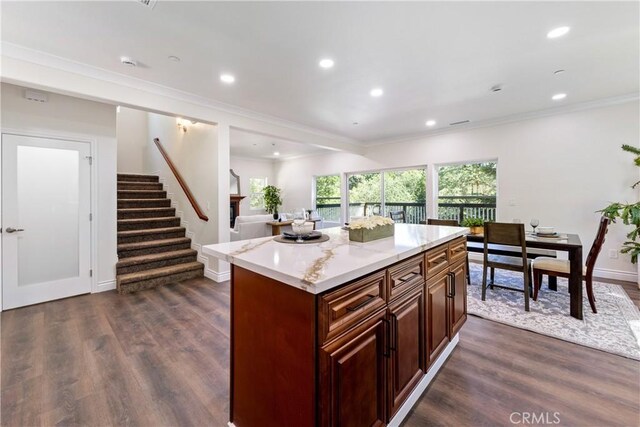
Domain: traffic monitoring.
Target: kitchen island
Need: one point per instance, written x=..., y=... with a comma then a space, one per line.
x=339, y=332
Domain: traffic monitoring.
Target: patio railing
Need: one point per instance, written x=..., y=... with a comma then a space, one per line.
x=449, y=207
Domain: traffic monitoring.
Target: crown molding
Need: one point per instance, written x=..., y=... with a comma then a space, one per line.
x=599, y=103
x=14, y=51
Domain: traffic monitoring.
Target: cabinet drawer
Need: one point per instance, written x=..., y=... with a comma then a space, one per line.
x=405, y=275
x=457, y=249
x=437, y=260
x=342, y=309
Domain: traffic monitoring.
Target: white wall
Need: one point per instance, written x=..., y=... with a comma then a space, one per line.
x=133, y=141
x=559, y=169
x=77, y=118
x=251, y=168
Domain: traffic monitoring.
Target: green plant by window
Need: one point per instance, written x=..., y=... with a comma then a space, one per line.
x=472, y=222
x=629, y=213
x=272, y=198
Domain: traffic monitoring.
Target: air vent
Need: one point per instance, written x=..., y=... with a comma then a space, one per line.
x=459, y=123
x=33, y=95
x=149, y=3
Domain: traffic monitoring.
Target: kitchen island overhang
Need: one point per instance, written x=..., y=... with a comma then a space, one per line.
x=341, y=332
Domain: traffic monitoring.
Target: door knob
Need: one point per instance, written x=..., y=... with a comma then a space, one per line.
x=13, y=230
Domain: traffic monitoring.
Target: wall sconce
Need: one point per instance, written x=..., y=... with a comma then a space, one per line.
x=183, y=124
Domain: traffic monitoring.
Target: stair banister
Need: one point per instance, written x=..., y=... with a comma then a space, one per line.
x=185, y=187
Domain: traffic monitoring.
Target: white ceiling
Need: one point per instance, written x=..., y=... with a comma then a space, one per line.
x=434, y=60
x=253, y=145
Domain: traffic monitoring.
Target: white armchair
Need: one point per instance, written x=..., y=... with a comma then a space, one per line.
x=251, y=227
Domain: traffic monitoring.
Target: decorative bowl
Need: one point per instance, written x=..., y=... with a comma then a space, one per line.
x=305, y=228
x=545, y=230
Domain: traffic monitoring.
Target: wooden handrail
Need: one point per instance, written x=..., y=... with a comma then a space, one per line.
x=185, y=187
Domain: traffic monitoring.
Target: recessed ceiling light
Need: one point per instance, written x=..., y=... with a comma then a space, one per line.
x=128, y=61
x=557, y=32
x=430, y=123
x=559, y=96
x=496, y=88
x=276, y=153
x=227, y=78
x=173, y=58
x=557, y=72
x=355, y=123
x=376, y=92
x=326, y=63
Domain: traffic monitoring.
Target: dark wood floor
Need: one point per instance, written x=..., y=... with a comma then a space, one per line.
x=160, y=358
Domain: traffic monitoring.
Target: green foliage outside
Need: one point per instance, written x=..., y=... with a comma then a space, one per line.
x=328, y=187
x=399, y=186
x=256, y=196
x=629, y=213
x=474, y=179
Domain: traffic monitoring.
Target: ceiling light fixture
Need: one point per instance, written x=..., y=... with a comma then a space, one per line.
x=430, y=123
x=227, y=78
x=558, y=72
x=276, y=153
x=128, y=61
x=496, y=88
x=326, y=63
x=376, y=92
x=173, y=58
x=557, y=32
x=559, y=96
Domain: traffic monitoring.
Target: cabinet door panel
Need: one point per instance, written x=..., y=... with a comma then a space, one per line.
x=458, y=307
x=437, y=315
x=353, y=377
x=407, y=362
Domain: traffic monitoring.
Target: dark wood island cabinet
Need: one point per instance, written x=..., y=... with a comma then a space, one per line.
x=357, y=354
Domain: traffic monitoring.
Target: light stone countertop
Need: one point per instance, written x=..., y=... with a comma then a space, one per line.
x=316, y=268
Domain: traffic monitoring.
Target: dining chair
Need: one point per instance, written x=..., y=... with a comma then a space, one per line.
x=436, y=221
x=561, y=268
x=398, y=216
x=511, y=234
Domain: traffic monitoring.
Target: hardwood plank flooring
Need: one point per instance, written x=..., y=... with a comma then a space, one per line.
x=160, y=358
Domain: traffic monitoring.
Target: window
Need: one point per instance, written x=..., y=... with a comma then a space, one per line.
x=467, y=190
x=328, y=198
x=256, y=193
x=381, y=192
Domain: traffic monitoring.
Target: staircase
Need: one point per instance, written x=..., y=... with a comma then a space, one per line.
x=152, y=247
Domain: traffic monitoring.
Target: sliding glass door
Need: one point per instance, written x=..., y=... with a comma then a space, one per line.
x=382, y=192
x=328, y=199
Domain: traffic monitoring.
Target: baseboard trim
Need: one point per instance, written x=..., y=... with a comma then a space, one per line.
x=105, y=285
x=216, y=276
x=605, y=273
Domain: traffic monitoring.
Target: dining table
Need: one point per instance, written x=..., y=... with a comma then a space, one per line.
x=564, y=242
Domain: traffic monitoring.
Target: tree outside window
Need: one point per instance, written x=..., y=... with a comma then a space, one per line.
x=256, y=193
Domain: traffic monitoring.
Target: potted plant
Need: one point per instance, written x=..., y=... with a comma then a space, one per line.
x=475, y=224
x=629, y=213
x=272, y=200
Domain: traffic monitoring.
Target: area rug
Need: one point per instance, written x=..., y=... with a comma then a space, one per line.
x=614, y=329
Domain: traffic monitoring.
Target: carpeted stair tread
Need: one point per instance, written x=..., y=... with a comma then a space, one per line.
x=152, y=243
x=147, y=223
x=137, y=203
x=141, y=194
x=146, y=231
x=133, y=185
x=124, y=279
x=154, y=212
x=134, y=177
x=144, y=259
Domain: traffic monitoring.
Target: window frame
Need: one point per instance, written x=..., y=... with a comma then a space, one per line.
x=260, y=193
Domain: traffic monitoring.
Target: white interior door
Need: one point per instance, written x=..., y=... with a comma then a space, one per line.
x=46, y=201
